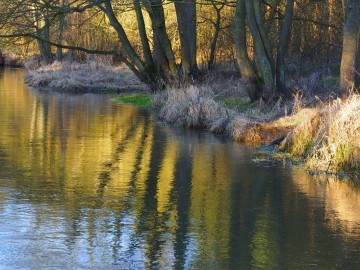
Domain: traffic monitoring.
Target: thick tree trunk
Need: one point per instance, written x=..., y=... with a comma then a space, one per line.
x=263, y=33
x=160, y=60
x=351, y=39
x=44, y=47
x=190, y=11
x=186, y=18
x=283, y=47
x=262, y=57
x=161, y=38
x=242, y=57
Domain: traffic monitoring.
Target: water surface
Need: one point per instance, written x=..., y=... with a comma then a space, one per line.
x=89, y=184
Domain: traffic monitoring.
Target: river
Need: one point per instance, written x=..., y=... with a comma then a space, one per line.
x=86, y=183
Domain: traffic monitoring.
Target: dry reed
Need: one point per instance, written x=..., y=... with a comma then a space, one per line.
x=195, y=107
x=92, y=76
x=329, y=138
x=326, y=136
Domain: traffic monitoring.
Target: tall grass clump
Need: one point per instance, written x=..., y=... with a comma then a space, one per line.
x=194, y=107
x=329, y=139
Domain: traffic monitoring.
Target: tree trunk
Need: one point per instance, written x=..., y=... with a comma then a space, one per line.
x=143, y=37
x=2, y=59
x=351, y=39
x=190, y=11
x=263, y=61
x=211, y=63
x=242, y=57
x=357, y=65
x=133, y=58
x=161, y=38
x=186, y=18
x=283, y=47
x=42, y=24
x=263, y=33
x=59, y=51
x=160, y=60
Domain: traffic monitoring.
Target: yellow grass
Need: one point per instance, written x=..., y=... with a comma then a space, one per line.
x=92, y=76
x=193, y=107
x=329, y=138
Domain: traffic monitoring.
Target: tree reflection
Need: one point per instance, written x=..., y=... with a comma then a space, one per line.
x=112, y=187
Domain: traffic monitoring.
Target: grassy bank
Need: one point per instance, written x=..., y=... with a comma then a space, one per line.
x=329, y=138
x=201, y=108
x=92, y=76
x=141, y=100
x=325, y=135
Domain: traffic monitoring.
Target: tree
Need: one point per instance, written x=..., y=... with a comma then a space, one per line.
x=154, y=68
x=350, y=66
x=159, y=40
x=42, y=13
x=186, y=17
x=2, y=59
x=262, y=50
x=61, y=28
x=272, y=74
x=211, y=62
x=283, y=47
x=242, y=56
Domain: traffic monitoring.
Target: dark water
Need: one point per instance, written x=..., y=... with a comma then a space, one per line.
x=89, y=184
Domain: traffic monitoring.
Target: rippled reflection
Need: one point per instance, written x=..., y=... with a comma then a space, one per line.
x=86, y=183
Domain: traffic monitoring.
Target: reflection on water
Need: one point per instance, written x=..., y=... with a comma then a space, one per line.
x=89, y=184
x=341, y=201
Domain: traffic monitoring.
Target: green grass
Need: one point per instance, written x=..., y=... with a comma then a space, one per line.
x=141, y=100
x=331, y=80
x=241, y=104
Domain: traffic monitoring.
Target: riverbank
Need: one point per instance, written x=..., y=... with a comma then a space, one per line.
x=89, y=77
x=324, y=135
